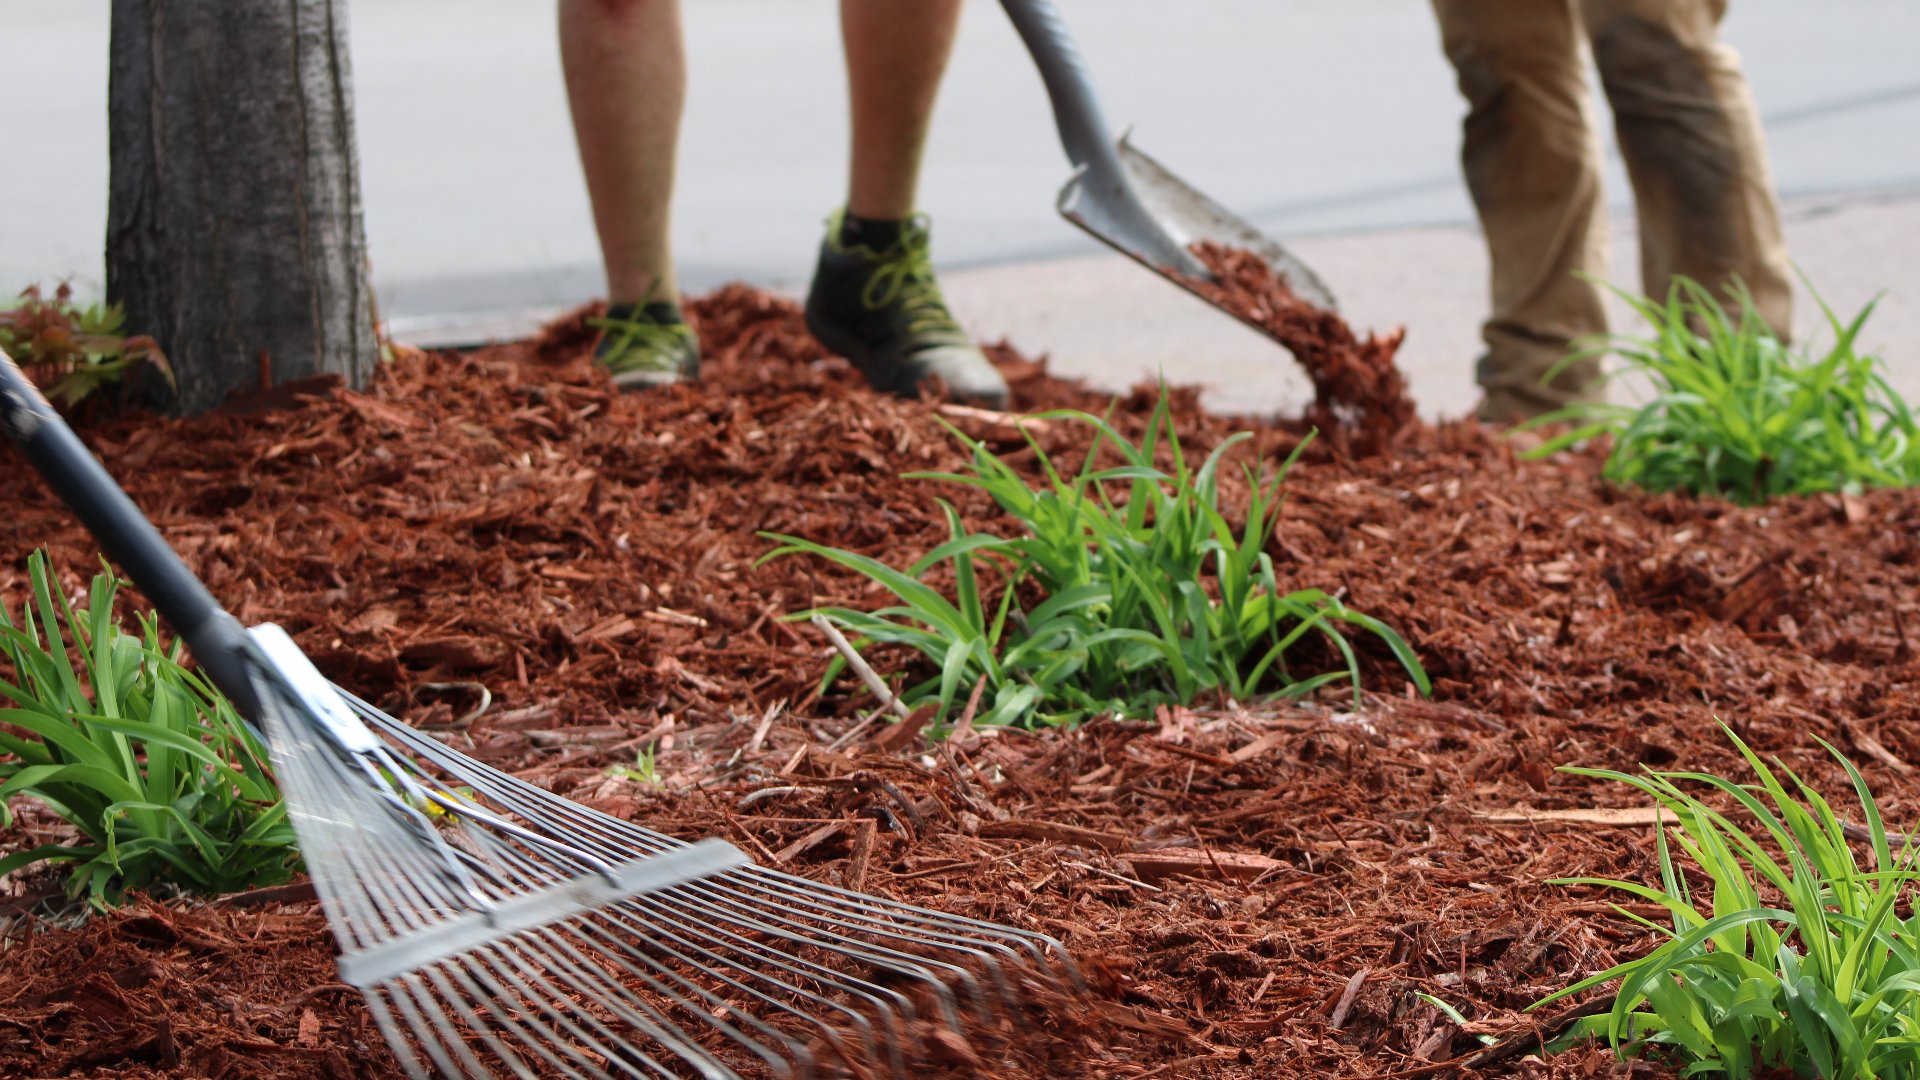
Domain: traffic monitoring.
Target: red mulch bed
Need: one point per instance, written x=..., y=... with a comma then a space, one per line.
x=1266, y=886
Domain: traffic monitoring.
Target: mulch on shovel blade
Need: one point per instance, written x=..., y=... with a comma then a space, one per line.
x=1359, y=394
x=1260, y=891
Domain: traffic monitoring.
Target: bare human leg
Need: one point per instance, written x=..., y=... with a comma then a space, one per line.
x=626, y=72
x=896, y=55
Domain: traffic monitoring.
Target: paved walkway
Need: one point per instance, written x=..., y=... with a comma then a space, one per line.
x=1102, y=318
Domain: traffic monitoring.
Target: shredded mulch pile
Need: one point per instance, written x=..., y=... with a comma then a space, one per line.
x=1260, y=890
x=155, y=990
x=1359, y=393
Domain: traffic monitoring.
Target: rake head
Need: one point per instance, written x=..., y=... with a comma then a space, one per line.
x=497, y=929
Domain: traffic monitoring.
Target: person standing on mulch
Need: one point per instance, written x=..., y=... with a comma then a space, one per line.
x=1693, y=148
x=874, y=299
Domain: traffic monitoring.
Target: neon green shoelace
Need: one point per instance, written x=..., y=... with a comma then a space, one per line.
x=906, y=276
x=637, y=342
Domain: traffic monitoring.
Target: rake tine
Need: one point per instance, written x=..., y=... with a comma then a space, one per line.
x=731, y=905
x=786, y=908
x=1041, y=950
x=644, y=928
x=631, y=915
x=608, y=993
x=419, y=983
x=568, y=959
x=899, y=962
x=401, y=1046
x=657, y=1027
x=429, y=1002
x=528, y=984
x=629, y=921
x=510, y=1009
x=800, y=900
x=537, y=803
x=717, y=898
x=437, y=1046
x=501, y=977
x=882, y=955
x=853, y=1016
x=314, y=787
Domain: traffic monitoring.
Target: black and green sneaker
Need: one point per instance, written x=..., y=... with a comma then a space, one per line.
x=643, y=345
x=874, y=301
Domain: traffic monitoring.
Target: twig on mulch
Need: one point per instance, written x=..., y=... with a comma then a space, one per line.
x=1345, y=1004
x=464, y=722
x=298, y=892
x=766, y=724
x=899, y=735
x=1525, y=1043
x=1872, y=747
x=860, y=667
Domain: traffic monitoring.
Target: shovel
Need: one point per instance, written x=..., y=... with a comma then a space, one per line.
x=1125, y=198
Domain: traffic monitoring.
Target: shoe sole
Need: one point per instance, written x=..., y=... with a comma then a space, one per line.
x=857, y=353
x=646, y=380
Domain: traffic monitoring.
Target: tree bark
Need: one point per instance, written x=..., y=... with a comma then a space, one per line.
x=233, y=219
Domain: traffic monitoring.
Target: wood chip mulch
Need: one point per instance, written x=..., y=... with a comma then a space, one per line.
x=1263, y=888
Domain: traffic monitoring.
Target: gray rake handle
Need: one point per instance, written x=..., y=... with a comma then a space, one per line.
x=69, y=468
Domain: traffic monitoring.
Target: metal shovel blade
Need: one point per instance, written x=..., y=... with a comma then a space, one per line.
x=1125, y=198
x=1176, y=216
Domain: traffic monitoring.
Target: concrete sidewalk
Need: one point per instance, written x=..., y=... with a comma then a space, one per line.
x=1104, y=319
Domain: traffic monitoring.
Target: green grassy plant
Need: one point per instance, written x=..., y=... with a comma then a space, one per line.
x=644, y=770
x=73, y=350
x=1736, y=413
x=1149, y=595
x=145, y=758
x=1801, y=958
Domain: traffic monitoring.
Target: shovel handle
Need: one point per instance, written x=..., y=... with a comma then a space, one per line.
x=1076, y=110
x=70, y=469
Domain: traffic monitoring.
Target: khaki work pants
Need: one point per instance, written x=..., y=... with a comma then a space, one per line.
x=1693, y=149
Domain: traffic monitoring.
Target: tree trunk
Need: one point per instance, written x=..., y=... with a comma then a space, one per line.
x=233, y=214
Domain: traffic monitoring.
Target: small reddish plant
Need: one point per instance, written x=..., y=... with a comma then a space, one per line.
x=69, y=350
